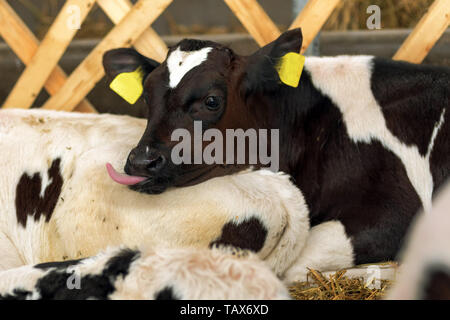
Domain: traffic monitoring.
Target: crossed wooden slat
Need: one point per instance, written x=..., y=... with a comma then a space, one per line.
x=42, y=61
x=47, y=56
x=149, y=43
x=90, y=70
x=132, y=28
x=312, y=18
x=427, y=32
x=255, y=20
x=24, y=44
x=253, y=17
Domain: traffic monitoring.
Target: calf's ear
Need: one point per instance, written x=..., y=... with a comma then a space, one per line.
x=121, y=60
x=127, y=69
x=261, y=69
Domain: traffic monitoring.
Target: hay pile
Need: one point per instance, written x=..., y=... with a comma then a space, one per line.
x=336, y=287
x=352, y=15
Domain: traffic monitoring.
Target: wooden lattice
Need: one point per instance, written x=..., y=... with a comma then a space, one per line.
x=132, y=28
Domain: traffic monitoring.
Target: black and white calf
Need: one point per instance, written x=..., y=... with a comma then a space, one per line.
x=162, y=274
x=366, y=140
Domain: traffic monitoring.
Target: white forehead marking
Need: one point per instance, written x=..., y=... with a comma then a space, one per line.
x=180, y=62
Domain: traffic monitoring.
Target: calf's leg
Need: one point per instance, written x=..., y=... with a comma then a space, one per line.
x=327, y=248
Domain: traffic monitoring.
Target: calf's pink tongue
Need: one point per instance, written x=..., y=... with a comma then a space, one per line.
x=122, y=178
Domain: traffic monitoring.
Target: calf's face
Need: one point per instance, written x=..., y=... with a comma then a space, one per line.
x=201, y=85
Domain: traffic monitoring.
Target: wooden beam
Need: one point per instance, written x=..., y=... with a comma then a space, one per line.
x=149, y=43
x=427, y=32
x=90, y=70
x=255, y=20
x=53, y=46
x=24, y=44
x=312, y=18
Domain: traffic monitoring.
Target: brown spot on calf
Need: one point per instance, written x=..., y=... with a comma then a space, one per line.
x=248, y=235
x=28, y=199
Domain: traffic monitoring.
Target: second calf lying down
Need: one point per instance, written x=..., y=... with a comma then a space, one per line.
x=161, y=274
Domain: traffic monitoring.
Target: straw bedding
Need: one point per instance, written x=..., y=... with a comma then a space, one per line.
x=337, y=286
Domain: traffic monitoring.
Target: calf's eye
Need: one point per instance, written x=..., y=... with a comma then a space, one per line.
x=212, y=103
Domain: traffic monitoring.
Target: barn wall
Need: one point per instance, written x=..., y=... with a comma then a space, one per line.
x=381, y=43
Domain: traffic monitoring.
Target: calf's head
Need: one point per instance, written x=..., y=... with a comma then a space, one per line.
x=201, y=85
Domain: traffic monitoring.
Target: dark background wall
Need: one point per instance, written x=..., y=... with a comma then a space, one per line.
x=200, y=16
x=214, y=16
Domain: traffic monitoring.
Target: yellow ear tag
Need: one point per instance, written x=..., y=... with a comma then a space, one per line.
x=128, y=85
x=290, y=67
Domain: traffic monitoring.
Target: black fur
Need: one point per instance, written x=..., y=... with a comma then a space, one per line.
x=121, y=60
x=411, y=97
x=247, y=235
x=53, y=286
x=194, y=45
x=58, y=264
x=28, y=200
x=166, y=294
x=17, y=294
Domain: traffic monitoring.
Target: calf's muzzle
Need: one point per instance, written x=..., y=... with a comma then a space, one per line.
x=145, y=162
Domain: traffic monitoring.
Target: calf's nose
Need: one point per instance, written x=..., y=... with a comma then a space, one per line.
x=144, y=162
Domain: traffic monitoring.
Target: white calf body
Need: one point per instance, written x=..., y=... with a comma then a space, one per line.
x=92, y=212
